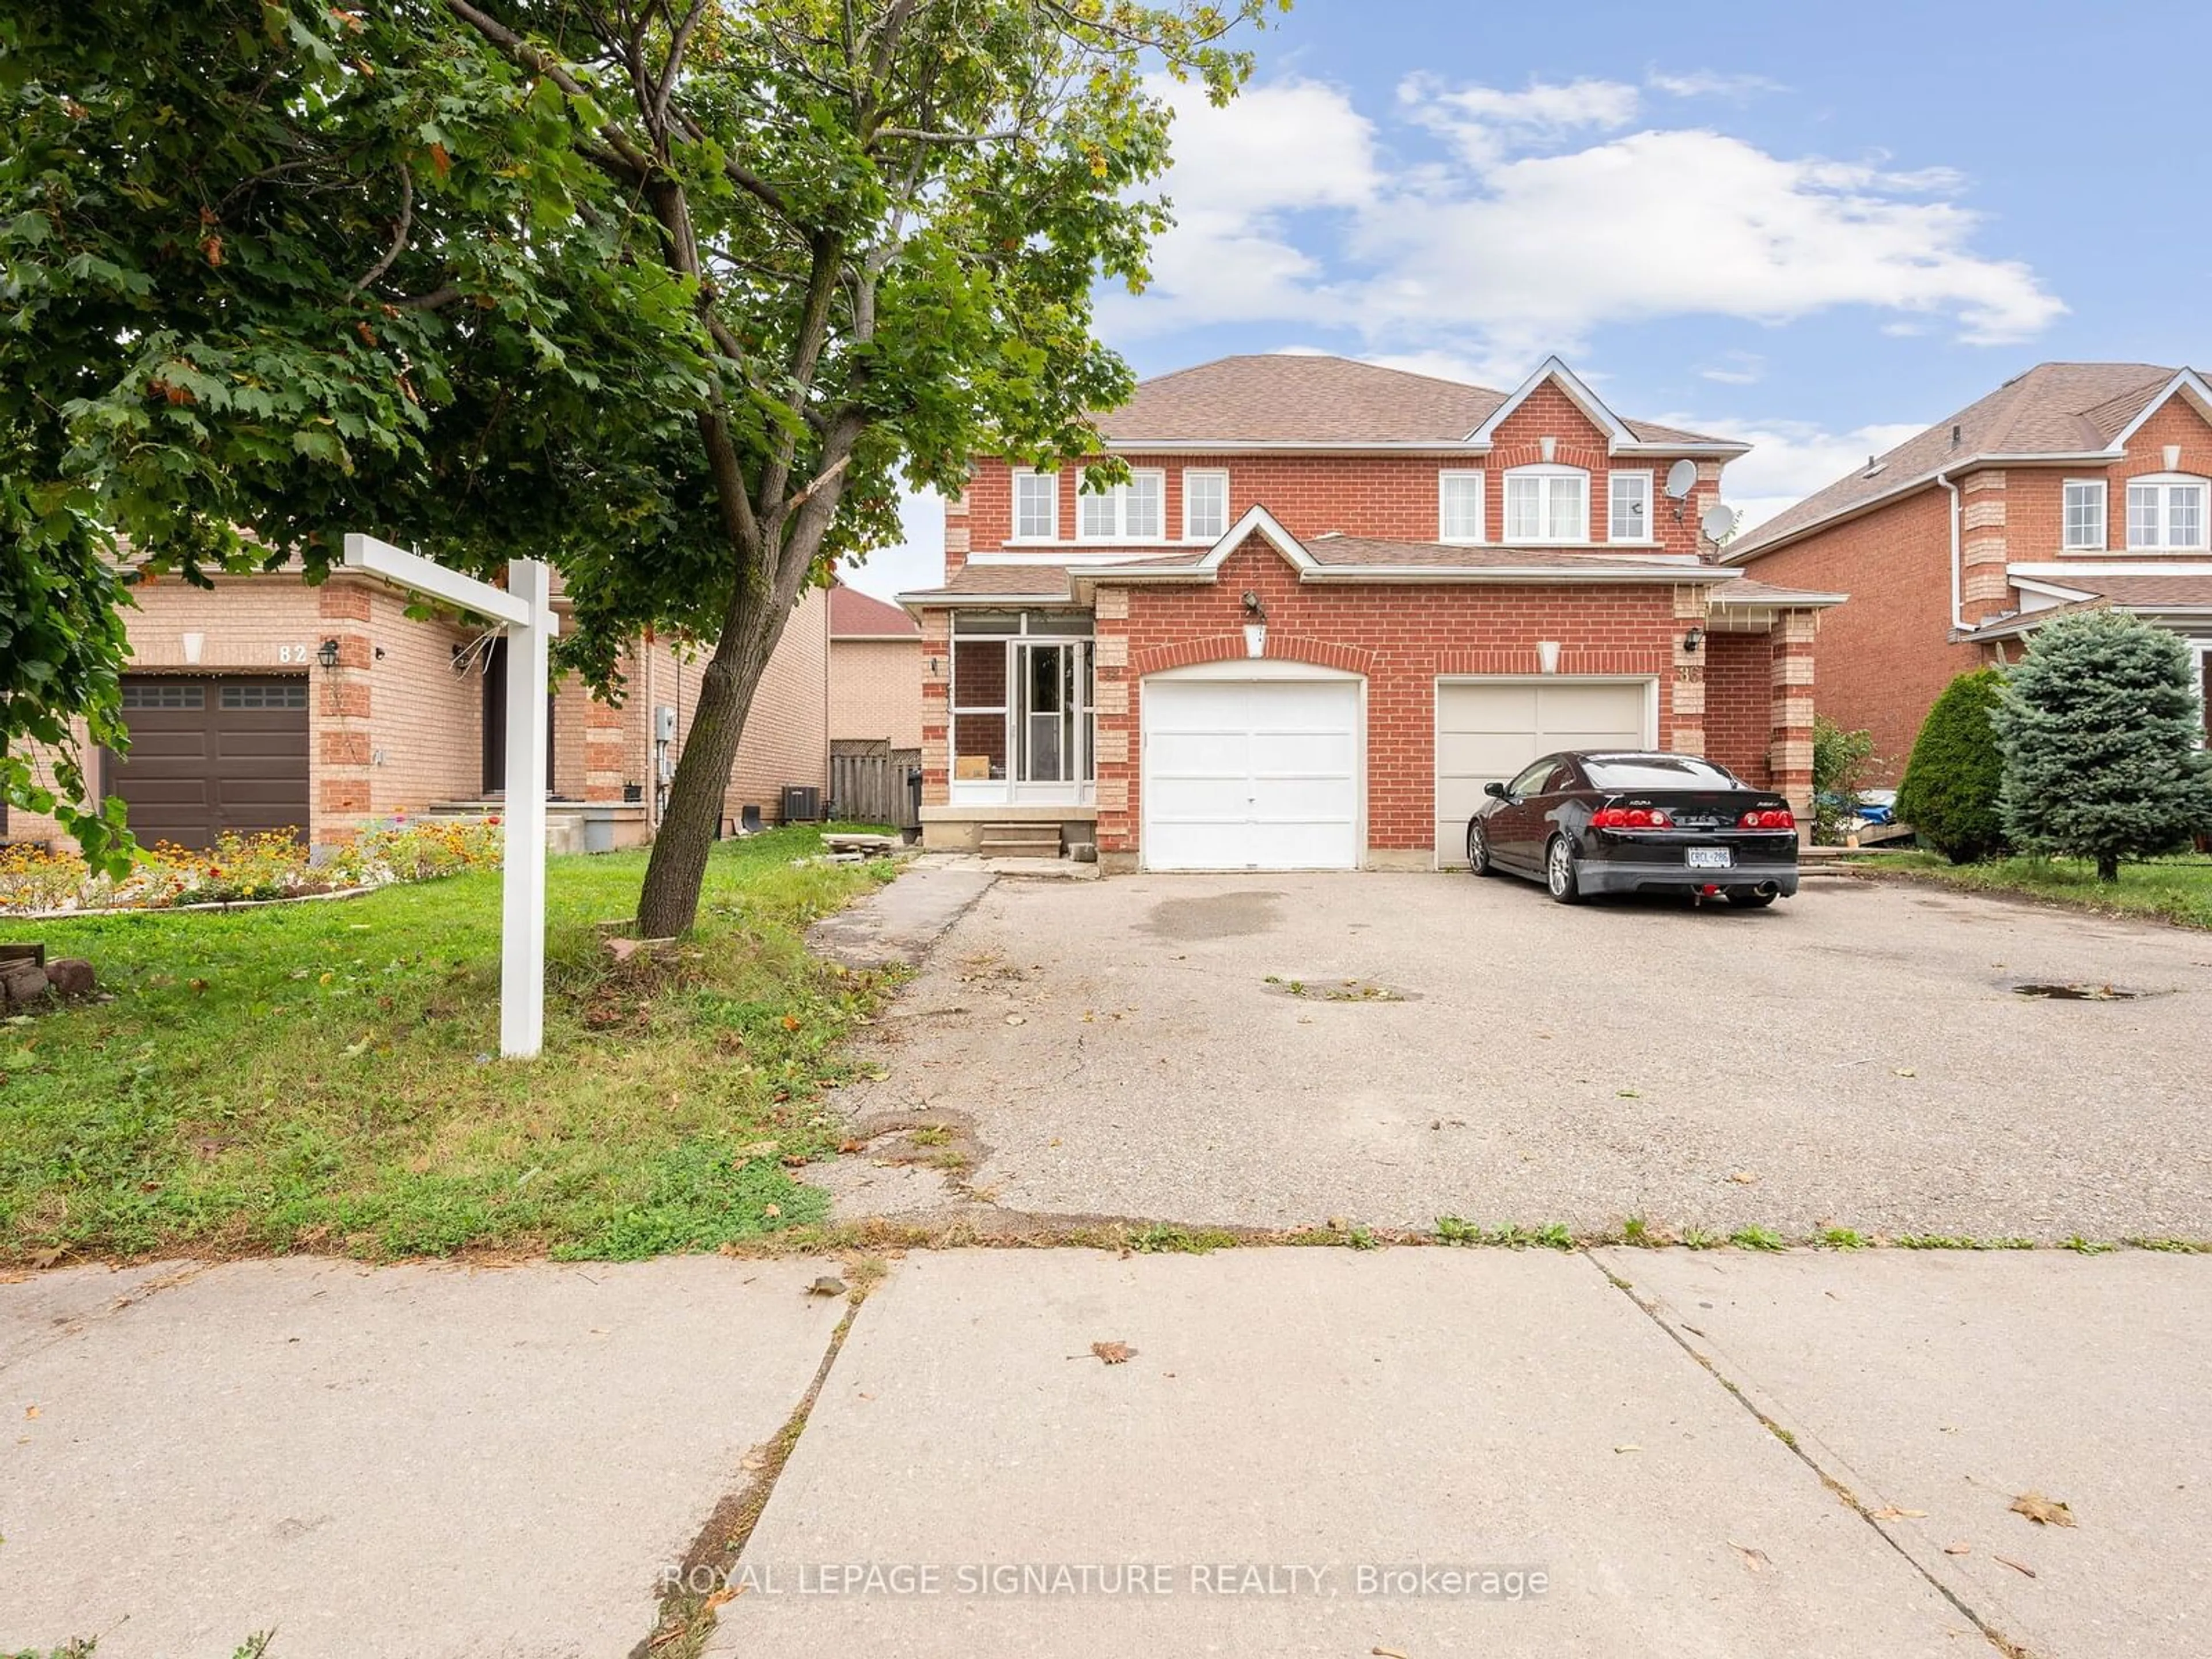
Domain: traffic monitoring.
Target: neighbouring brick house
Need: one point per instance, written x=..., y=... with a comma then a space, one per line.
x=875, y=672
x=2074, y=485
x=238, y=724
x=1333, y=602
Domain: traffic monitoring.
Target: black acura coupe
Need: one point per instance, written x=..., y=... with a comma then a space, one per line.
x=1585, y=824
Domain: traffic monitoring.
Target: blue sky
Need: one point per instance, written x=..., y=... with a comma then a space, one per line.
x=1817, y=227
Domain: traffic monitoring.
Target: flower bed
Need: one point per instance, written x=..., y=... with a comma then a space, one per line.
x=246, y=869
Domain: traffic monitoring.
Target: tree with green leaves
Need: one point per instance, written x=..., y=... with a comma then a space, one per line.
x=1949, y=795
x=670, y=292
x=273, y=271
x=2102, y=732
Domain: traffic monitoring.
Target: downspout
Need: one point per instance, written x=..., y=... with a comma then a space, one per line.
x=1958, y=565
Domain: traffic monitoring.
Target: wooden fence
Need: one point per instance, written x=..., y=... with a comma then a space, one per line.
x=868, y=782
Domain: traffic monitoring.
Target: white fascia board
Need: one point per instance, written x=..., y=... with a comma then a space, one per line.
x=411, y=570
x=927, y=601
x=1552, y=368
x=1787, y=599
x=2063, y=568
x=2048, y=590
x=1518, y=574
x=2187, y=381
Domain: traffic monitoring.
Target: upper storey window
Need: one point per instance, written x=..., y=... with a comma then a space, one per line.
x=2084, y=514
x=1205, y=505
x=1547, y=504
x=1036, y=506
x=1459, y=505
x=2165, y=511
x=1128, y=512
x=1629, y=516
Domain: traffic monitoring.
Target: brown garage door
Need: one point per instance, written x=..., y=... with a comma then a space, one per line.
x=209, y=756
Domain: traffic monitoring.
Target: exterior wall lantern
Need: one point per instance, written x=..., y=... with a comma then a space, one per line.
x=1255, y=625
x=327, y=655
x=1693, y=640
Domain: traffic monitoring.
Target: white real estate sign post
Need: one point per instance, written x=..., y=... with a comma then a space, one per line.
x=525, y=604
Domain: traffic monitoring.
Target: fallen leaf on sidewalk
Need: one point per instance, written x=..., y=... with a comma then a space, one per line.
x=1386, y=1653
x=1894, y=1513
x=2043, y=1511
x=1958, y=1549
x=1113, y=1353
x=1744, y=1178
x=722, y=1597
x=1755, y=1560
x=30, y=1411
x=2014, y=1566
x=1617, y=1450
x=1906, y=1070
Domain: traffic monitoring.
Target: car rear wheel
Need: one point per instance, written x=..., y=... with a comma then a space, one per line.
x=1749, y=898
x=1477, y=849
x=1559, y=871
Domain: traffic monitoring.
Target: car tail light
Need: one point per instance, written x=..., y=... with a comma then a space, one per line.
x=1785, y=819
x=1630, y=818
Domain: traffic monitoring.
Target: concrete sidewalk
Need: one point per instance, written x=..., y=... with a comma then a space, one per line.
x=1633, y=1454
x=407, y=1461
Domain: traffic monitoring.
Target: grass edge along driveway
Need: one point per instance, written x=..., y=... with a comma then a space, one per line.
x=2176, y=889
x=320, y=1076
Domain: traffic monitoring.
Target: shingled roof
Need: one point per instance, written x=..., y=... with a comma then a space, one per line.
x=2054, y=410
x=1298, y=397
x=857, y=615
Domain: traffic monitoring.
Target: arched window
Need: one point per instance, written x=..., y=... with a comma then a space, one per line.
x=1547, y=504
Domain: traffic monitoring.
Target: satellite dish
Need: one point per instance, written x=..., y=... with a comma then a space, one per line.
x=1681, y=479
x=1719, y=522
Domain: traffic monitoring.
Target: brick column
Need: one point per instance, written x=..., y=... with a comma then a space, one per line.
x=603, y=747
x=937, y=705
x=956, y=533
x=1683, y=720
x=1114, y=724
x=341, y=742
x=1985, y=589
x=1790, y=741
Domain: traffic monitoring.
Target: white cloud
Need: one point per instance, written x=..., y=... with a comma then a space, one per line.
x=1790, y=459
x=1710, y=83
x=1286, y=148
x=1485, y=124
x=1547, y=220
x=1736, y=368
x=918, y=561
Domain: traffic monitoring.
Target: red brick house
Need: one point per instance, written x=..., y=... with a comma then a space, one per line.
x=2070, y=486
x=1331, y=603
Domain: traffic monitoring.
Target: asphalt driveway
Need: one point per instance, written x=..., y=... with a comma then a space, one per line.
x=1383, y=1048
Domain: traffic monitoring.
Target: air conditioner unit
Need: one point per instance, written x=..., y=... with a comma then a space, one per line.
x=802, y=802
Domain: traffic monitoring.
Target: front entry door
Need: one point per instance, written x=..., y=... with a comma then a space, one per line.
x=1049, y=734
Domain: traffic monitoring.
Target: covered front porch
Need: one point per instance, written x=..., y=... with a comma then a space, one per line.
x=1009, y=741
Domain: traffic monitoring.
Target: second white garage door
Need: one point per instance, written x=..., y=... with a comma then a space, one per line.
x=1251, y=773
x=1489, y=729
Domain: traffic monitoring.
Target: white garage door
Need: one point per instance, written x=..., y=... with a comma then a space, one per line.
x=1488, y=730
x=1251, y=774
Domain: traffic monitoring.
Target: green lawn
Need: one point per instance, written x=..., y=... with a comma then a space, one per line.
x=318, y=1076
x=2173, y=890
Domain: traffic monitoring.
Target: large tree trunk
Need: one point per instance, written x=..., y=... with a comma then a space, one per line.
x=670, y=902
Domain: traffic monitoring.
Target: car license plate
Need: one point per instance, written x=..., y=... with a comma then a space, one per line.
x=1709, y=857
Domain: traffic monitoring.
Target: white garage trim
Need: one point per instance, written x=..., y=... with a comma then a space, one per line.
x=1253, y=671
x=1650, y=738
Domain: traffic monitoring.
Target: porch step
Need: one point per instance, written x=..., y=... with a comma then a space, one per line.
x=1020, y=840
